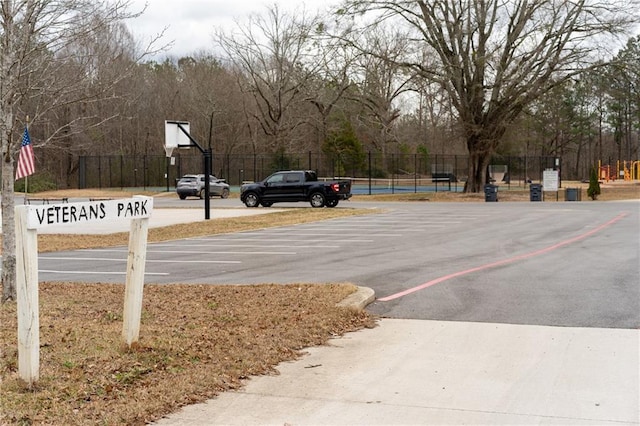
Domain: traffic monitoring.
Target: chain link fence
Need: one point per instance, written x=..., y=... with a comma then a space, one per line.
x=370, y=173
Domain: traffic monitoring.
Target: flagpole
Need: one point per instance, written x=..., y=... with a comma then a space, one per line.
x=26, y=178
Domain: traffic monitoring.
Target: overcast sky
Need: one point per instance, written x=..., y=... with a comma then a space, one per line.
x=191, y=23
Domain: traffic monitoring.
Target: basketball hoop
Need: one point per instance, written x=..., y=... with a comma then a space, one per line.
x=168, y=150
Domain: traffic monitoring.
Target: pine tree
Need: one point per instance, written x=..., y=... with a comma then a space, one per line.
x=594, y=186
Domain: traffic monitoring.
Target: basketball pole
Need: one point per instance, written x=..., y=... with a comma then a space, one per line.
x=207, y=171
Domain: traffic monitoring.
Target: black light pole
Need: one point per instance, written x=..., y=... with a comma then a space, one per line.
x=208, y=159
x=207, y=188
x=207, y=171
x=210, y=137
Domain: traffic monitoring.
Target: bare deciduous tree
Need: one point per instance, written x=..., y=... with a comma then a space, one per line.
x=274, y=55
x=330, y=85
x=497, y=56
x=382, y=82
x=50, y=54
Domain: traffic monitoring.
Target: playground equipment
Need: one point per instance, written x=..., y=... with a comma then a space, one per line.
x=624, y=170
x=635, y=170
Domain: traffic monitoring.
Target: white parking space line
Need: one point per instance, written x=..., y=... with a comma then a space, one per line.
x=385, y=226
x=51, y=271
x=245, y=245
x=381, y=225
x=270, y=238
x=326, y=233
x=149, y=250
x=193, y=261
x=105, y=259
x=420, y=219
x=343, y=225
x=395, y=220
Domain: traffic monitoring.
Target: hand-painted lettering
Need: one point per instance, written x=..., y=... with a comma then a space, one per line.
x=143, y=207
x=132, y=209
x=70, y=214
x=86, y=212
x=40, y=215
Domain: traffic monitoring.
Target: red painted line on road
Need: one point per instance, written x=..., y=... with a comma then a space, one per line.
x=503, y=262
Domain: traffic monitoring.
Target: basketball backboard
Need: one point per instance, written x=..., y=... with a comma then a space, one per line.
x=174, y=137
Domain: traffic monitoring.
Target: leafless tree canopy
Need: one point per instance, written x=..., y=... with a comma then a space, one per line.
x=53, y=56
x=276, y=57
x=495, y=57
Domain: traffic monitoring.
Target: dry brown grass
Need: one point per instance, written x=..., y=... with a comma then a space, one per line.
x=196, y=341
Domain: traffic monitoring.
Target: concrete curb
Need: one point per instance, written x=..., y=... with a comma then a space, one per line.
x=360, y=299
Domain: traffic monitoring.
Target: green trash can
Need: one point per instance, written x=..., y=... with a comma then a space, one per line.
x=573, y=194
x=535, y=192
x=490, y=192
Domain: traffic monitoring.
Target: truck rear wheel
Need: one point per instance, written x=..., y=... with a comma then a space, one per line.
x=317, y=200
x=251, y=200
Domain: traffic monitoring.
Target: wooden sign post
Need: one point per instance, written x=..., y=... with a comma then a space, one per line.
x=28, y=220
x=27, y=298
x=135, y=281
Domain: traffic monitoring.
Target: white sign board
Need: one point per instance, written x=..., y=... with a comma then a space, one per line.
x=75, y=213
x=550, y=180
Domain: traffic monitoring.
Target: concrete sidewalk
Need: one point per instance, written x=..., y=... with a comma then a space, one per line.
x=434, y=372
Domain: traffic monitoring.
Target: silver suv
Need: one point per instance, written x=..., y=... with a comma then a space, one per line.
x=193, y=186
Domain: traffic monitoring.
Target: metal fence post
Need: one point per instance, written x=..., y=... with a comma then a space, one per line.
x=369, y=173
x=393, y=173
x=145, y=177
x=415, y=173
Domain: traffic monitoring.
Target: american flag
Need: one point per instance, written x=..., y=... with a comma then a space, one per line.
x=26, y=161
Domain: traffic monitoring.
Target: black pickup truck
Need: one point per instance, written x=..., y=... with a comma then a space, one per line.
x=295, y=185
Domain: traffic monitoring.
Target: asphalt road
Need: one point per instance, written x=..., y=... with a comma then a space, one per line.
x=563, y=264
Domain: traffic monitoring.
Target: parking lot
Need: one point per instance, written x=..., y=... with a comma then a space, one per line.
x=586, y=282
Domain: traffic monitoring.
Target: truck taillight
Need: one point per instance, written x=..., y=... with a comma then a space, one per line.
x=335, y=187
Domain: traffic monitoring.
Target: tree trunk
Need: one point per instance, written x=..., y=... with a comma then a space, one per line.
x=8, y=230
x=481, y=145
x=477, y=172
x=576, y=170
